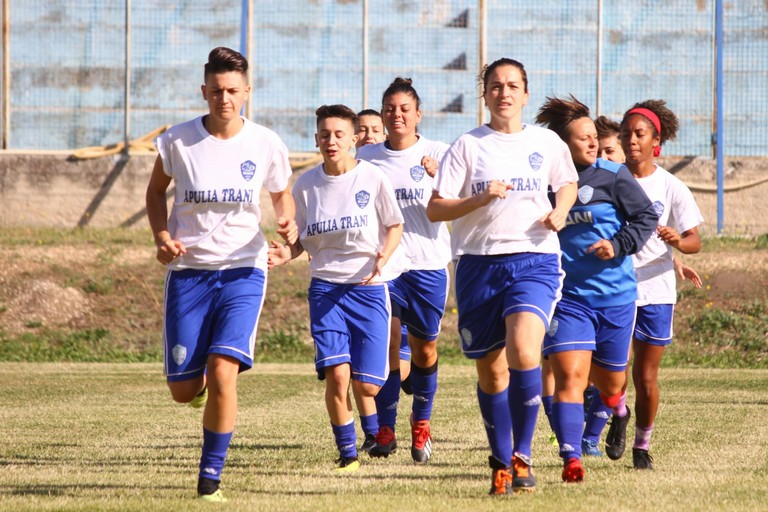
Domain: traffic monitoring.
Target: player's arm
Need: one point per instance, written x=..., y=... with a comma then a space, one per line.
x=285, y=210
x=391, y=241
x=687, y=242
x=157, y=213
x=565, y=197
x=641, y=218
x=443, y=209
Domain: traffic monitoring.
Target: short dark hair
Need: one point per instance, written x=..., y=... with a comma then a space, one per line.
x=504, y=61
x=222, y=60
x=606, y=127
x=369, y=112
x=404, y=85
x=557, y=113
x=340, y=111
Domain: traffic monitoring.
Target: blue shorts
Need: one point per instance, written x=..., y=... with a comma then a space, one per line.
x=654, y=324
x=405, y=348
x=210, y=312
x=607, y=332
x=418, y=300
x=350, y=324
x=490, y=288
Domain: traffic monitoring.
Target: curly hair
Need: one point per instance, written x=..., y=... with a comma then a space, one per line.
x=667, y=118
x=557, y=113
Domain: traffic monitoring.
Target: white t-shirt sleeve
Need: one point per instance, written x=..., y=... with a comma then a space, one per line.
x=685, y=212
x=279, y=172
x=387, y=208
x=452, y=173
x=563, y=171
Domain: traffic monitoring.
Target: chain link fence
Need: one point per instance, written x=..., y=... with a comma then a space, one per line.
x=65, y=83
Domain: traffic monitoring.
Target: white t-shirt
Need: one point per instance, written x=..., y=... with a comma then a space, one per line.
x=427, y=244
x=654, y=267
x=529, y=161
x=216, y=212
x=343, y=221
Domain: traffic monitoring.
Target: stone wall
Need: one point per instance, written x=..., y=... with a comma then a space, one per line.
x=52, y=190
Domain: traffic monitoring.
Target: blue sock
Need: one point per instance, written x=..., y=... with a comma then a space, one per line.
x=424, y=385
x=498, y=425
x=370, y=423
x=387, y=399
x=597, y=417
x=215, y=446
x=524, y=400
x=546, y=401
x=346, y=440
x=569, y=424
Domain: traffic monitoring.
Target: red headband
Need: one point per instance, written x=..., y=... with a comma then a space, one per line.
x=653, y=118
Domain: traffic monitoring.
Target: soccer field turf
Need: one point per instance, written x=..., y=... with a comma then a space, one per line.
x=108, y=437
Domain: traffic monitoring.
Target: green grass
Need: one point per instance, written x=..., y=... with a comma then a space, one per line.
x=108, y=437
x=714, y=327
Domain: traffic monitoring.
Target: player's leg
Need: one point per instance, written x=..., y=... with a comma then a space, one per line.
x=339, y=407
x=405, y=362
x=388, y=398
x=547, y=396
x=645, y=375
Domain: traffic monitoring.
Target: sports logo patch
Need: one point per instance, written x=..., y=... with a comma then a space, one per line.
x=658, y=206
x=585, y=194
x=553, y=327
x=248, y=170
x=535, y=159
x=362, y=198
x=179, y=354
x=417, y=173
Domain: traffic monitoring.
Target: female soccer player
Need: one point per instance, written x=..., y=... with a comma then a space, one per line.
x=215, y=252
x=591, y=330
x=370, y=128
x=410, y=161
x=644, y=129
x=350, y=225
x=609, y=146
x=493, y=184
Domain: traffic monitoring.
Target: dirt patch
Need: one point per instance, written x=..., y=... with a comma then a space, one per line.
x=43, y=303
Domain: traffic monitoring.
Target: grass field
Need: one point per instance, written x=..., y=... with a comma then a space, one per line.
x=108, y=437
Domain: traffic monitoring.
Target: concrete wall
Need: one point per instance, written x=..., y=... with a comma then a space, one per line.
x=53, y=191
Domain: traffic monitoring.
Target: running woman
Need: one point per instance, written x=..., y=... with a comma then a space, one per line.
x=370, y=128
x=493, y=184
x=644, y=129
x=418, y=296
x=215, y=251
x=609, y=146
x=590, y=333
x=350, y=225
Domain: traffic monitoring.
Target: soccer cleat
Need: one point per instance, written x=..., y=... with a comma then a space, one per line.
x=616, y=439
x=216, y=497
x=347, y=464
x=385, y=443
x=208, y=490
x=501, y=478
x=200, y=399
x=589, y=447
x=421, y=444
x=573, y=471
x=370, y=442
x=641, y=459
x=522, y=475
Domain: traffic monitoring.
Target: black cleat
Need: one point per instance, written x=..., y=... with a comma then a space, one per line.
x=616, y=439
x=641, y=459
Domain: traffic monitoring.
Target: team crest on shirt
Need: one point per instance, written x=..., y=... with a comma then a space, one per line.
x=658, y=206
x=417, y=173
x=362, y=198
x=179, y=354
x=248, y=169
x=585, y=194
x=535, y=159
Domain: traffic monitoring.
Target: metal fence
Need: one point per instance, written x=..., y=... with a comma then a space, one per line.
x=66, y=83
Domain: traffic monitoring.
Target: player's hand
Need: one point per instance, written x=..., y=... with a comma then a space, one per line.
x=669, y=235
x=169, y=249
x=685, y=272
x=554, y=220
x=430, y=165
x=603, y=249
x=495, y=190
x=378, y=265
x=277, y=255
x=288, y=230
